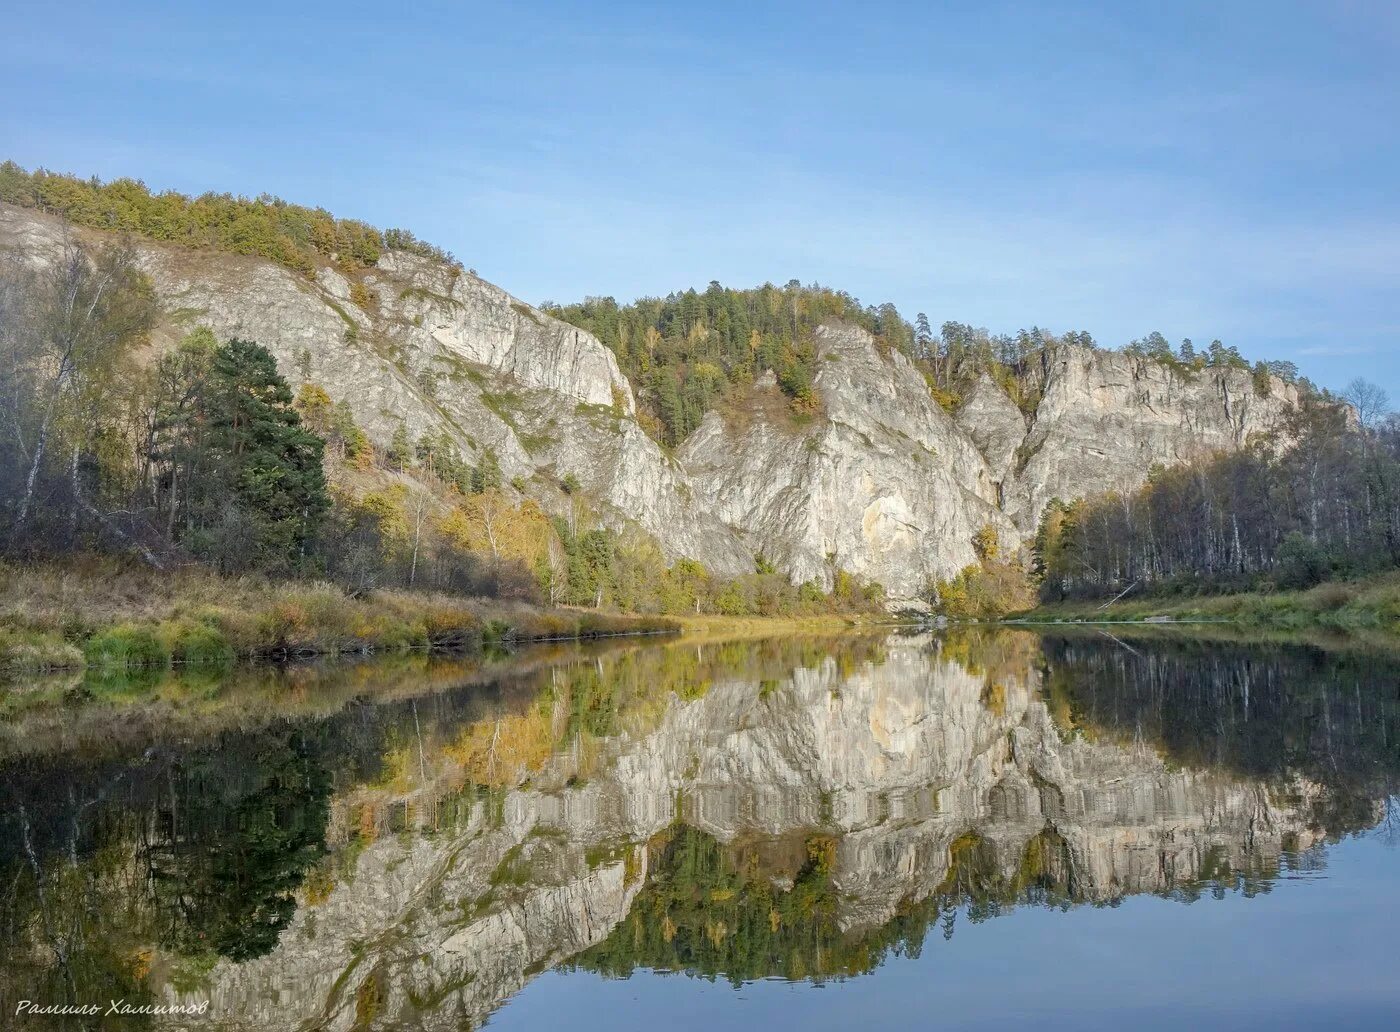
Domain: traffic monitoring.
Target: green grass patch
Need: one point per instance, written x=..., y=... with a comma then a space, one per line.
x=1369, y=604
x=503, y=404
x=525, y=310
x=194, y=643
x=534, y=443
x=124, y=647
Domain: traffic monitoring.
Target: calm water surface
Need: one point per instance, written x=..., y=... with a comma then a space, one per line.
x=960, y=831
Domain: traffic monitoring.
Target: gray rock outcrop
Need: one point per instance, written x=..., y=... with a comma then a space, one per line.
x=880, y=481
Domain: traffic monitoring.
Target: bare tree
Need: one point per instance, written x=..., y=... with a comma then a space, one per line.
x=1370, y=401
x=67, y=328
x=420, y=516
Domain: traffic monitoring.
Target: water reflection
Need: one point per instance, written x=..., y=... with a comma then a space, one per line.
x=409, y=844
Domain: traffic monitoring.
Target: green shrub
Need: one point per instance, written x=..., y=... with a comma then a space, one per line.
x=126, y=646
x=1301, y=562
x=496, y=631
x=196, y=643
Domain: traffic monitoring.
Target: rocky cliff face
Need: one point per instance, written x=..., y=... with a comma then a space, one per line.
x=1106, y=418
x=898, y=761
x=881, y=482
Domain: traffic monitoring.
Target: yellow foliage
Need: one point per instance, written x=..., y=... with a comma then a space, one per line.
x=989, y=590
x=490, y=524
x=361, y=296
x=391, y=506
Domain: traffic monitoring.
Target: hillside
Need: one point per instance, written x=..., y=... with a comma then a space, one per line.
x=871, y=476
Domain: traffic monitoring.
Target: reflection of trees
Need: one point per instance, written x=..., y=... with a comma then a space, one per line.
x=705, y=911
x=741, y=912
x=222, y=840
x=1260, y=711
x=764, y=909
x=734, y=912
x=223, y=870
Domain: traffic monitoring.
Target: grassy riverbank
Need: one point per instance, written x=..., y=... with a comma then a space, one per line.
x=101, y=614
x=1371, y=604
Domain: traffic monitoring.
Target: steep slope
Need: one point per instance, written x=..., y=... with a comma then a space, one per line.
x=440, y=351
x=880, y=481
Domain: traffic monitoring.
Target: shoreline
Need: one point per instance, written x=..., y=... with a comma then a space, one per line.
x=1370, y=604
x=97, y=618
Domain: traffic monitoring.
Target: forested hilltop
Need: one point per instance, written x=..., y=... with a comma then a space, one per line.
x=691, y=350
x=266, y=226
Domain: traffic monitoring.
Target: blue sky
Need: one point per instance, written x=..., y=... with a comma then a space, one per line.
x=1224, y=170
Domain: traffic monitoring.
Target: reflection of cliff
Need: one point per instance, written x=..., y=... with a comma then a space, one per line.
x=853, y=800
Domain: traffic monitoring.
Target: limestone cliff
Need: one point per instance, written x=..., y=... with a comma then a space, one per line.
x=1106, y=418
x=880, y=481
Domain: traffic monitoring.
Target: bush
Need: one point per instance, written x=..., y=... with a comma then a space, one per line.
x=1301, y=563
x=126, y=646
x=194, y=643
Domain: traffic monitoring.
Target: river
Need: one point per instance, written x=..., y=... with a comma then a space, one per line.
x=971, y=829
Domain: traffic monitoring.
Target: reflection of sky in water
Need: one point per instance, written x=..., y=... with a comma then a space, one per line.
x=1318, y=951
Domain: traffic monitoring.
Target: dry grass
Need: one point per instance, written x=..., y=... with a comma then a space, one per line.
x=110, y=614
x=708, y=627
x=746, y=404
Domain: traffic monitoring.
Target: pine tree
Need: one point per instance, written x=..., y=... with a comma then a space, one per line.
x=400, y=447
x=923, y=337
x=267, y=485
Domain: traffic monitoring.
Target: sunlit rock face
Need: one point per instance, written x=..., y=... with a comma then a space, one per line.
x=888, y=781
x=1106, y=418
x=880, y=481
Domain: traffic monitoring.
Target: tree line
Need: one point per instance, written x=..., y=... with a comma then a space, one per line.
x=291, y=235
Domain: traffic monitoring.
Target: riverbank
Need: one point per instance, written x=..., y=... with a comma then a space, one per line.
x=1372, y=604
x=99, y=614
x=708, y=627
